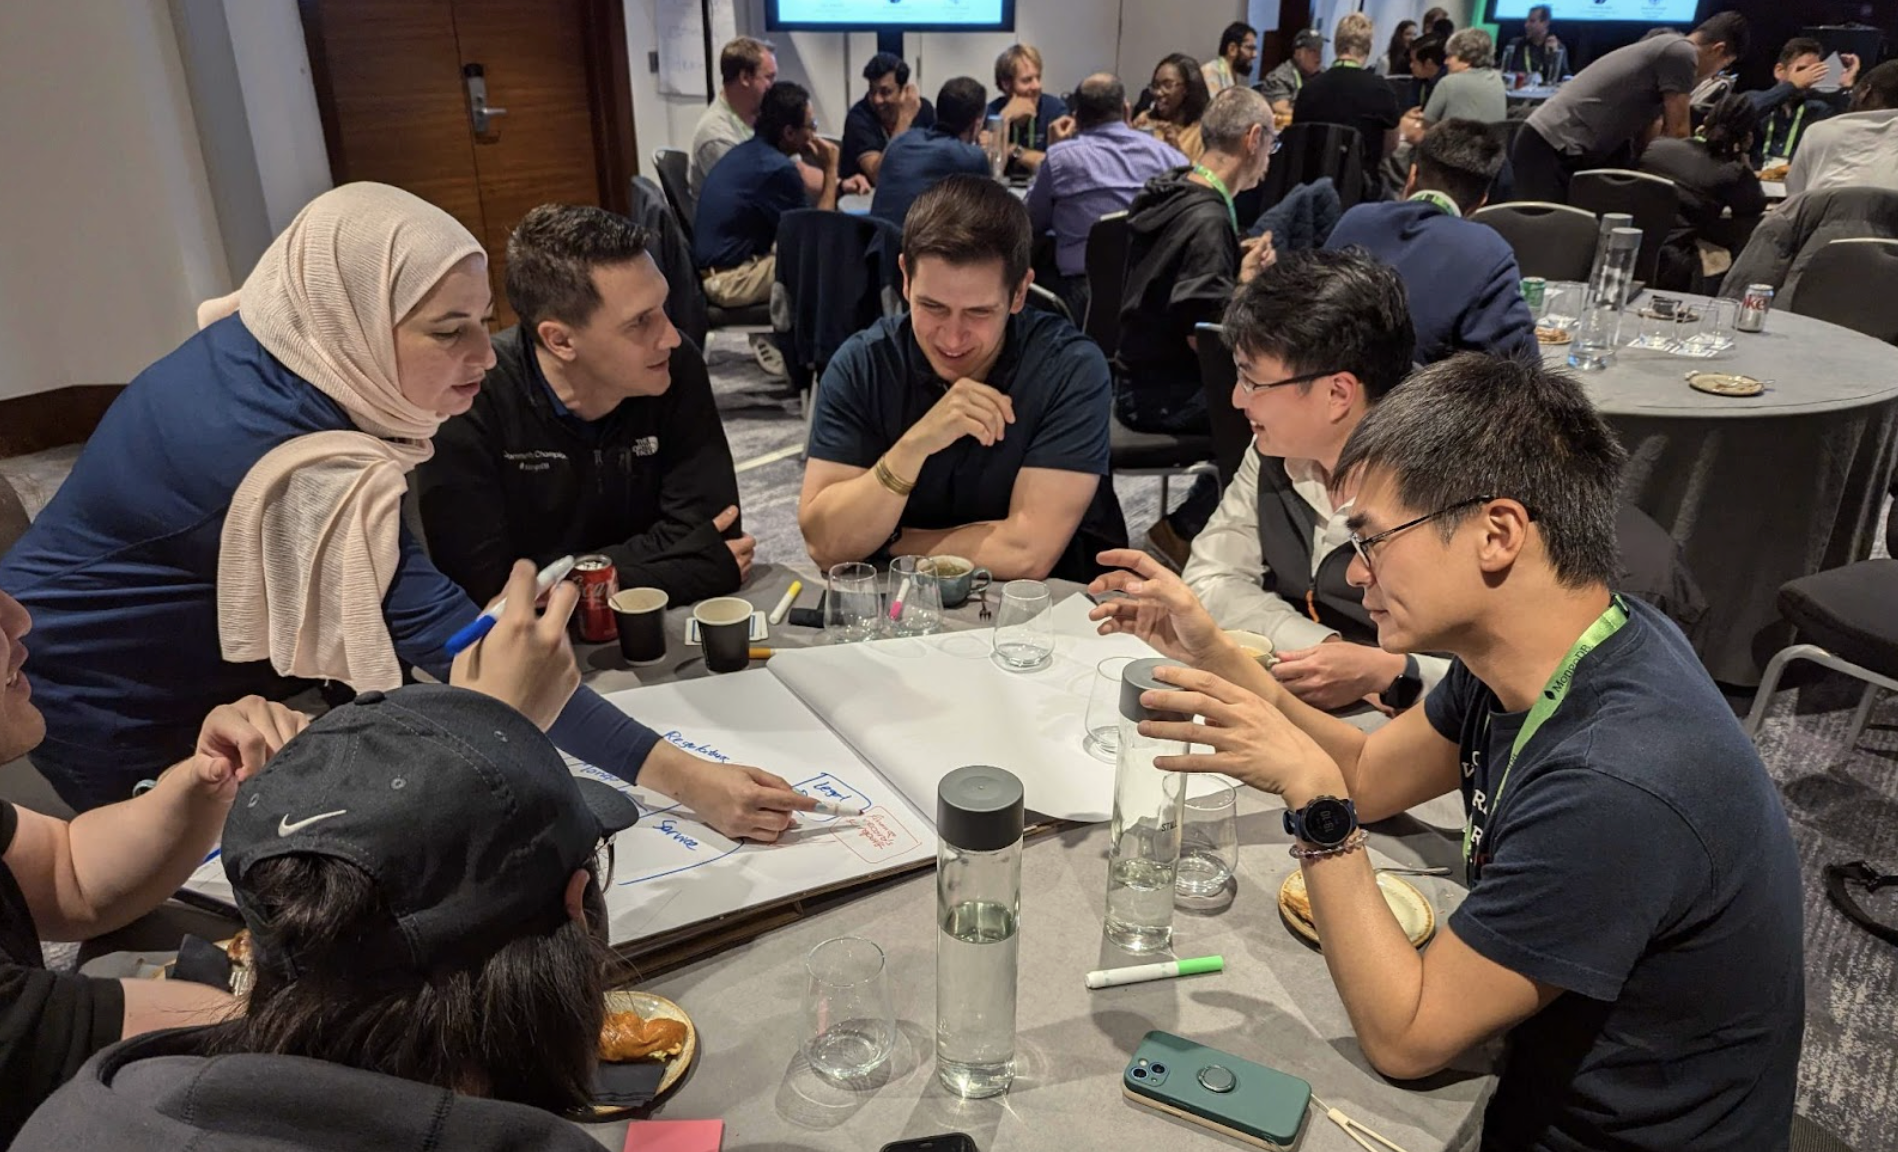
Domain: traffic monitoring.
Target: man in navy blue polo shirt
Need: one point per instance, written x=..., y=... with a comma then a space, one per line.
x=736, y=226
x=921, y=156
x=966, y=426
x=890, y=107
x=1032, y=118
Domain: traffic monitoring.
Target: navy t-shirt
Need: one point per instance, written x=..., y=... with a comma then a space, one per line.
x=863, y=132
x=916, y=160
x=880, y=383
x=1640, y=860
x=1032, y=134
x=739, y=207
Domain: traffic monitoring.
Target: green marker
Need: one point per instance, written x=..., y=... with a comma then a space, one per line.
x=1141, y=973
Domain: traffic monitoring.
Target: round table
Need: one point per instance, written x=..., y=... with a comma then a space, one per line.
x=1763, y=489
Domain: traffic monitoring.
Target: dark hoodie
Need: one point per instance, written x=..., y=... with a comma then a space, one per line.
x=1182, y=267
x=158, y=1092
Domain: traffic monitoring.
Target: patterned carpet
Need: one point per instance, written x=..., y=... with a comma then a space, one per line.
x=1843, y=803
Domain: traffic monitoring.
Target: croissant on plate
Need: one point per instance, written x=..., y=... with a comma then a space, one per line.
x=629, y=1036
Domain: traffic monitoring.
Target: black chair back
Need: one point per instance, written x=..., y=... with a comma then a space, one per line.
x=1653, y=201
x=1308, y=152
x=672, y=166
x=1852, y=283
x=831, y=269
x=1232, y=435
x=1106, y=263
x=1552, y=241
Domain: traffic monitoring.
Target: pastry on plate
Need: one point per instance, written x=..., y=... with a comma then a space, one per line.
x=630, y=1036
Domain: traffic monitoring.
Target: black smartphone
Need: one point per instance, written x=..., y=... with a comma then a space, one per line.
x=947, y=1142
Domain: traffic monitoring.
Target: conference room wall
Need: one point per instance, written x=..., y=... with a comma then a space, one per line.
x=107, y=222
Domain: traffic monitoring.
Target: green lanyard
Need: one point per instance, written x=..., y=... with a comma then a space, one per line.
x=1611, y=621
x=1346, y=64
x=1219, y=186
x=1792, y=133
x=1447, y=205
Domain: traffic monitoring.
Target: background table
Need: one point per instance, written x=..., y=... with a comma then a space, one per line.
x=1763, y=489
x=1274, y=1004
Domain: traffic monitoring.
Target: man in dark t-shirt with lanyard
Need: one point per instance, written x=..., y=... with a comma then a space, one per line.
x=1634, y=921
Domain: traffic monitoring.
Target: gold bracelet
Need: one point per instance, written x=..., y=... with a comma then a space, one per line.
x=890, y=481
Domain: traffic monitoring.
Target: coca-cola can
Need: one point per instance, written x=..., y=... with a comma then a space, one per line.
x=593, y=616
x=1754, y=306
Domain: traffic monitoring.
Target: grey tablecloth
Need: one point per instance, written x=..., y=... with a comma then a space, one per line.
x=1759, y=490
x=1274, y=1004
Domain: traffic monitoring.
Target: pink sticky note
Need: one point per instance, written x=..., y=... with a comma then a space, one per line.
x=675, y=1135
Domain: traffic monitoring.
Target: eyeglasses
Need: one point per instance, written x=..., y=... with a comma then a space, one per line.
x=603, y=861
x=1249, y=389
x=1365, y=545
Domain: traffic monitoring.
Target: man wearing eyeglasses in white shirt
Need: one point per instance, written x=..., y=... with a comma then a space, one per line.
x=1318, y=340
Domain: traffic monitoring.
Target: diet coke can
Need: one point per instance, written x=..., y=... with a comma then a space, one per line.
x=1754, y=306
x=593, y=616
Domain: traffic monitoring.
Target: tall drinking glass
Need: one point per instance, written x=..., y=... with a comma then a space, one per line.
x=1024, y=626
x=853, y=606
x=850, y=1018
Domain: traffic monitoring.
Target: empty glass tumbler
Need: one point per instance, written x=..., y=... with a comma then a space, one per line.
x=850, y=1019
x=1024, y=626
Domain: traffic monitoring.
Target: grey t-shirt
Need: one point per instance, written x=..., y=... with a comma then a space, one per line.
x=1475, y=94
x=1282, y=83
x=1614, y=99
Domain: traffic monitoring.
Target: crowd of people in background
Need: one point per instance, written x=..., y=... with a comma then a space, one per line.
x=242, y=503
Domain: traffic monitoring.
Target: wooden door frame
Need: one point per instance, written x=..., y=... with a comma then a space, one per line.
x=609, y=95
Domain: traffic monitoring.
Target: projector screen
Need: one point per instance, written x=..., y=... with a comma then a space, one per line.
x=1676, y=12
x=893, y=15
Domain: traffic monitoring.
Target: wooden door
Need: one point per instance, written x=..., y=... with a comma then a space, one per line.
x=391, y=89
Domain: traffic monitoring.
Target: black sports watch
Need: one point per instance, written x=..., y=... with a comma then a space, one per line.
x=1326, y=822
x=1406, y=689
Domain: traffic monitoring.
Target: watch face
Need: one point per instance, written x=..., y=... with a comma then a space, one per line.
x=1327, y=821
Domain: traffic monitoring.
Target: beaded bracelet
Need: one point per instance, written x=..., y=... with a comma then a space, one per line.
x=1351, y=843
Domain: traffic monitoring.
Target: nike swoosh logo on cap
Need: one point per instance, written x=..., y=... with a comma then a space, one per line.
x=285, y=827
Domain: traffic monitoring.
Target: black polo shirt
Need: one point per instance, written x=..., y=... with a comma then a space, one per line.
x=880, y=384
x=863, y=132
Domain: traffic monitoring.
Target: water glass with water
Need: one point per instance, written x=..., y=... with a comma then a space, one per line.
x=853, y=604
x=1102, y=719
x=848, y=1015
x=1024, y=626
x=1209, y=839
x=915, y=596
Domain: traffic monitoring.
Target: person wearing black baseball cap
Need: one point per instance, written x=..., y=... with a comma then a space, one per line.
x=420, y=874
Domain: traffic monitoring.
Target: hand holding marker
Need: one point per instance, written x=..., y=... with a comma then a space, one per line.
x=483, y=624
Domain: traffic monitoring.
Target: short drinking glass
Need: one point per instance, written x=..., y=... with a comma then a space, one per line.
x=915, y=596
x=1024, y=626
x=1715, y=333
x=1102, y=738
x=848, y=1015
x=853, y=606
x=1209, y=839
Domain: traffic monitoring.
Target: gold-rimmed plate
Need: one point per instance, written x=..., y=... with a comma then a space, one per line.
x=652, y=1007
x=1725, y=384
x=1411, y=907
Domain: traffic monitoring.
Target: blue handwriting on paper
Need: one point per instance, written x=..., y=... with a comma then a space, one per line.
x=670, y=827
x=705, y=750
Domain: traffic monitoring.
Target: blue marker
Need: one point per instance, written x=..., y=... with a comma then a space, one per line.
x=483, y=624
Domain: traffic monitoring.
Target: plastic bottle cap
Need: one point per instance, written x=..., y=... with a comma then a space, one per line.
x=1139, y=678
x=979, y=808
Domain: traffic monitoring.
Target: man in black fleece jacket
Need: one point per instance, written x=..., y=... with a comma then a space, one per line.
x=595, y=431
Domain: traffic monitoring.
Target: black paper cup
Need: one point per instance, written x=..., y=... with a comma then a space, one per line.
x=725, y=633
x=641, y=615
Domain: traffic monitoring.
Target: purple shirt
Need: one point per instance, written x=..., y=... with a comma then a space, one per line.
x=1088, y=177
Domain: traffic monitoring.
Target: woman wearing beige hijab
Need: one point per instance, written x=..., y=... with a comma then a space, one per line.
x=234, y=525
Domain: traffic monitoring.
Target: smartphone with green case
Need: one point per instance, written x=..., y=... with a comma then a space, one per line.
x=1217, y=1090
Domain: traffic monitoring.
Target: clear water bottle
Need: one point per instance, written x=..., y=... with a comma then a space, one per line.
x=1608, y=223
x=1148, y=808
x=1595, y=341
x=978, y=905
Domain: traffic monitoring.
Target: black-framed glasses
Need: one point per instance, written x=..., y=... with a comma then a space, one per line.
x=1364, y=546
x=603, y=861
x=1247, y=389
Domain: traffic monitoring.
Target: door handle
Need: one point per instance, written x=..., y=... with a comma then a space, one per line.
x=479, y=113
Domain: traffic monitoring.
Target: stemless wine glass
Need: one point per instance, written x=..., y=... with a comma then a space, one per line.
x=1024, y=626
x=915, y=596
x=850, y=1018
x=853, y=606
x=1209, y=839
x=1102, y=737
